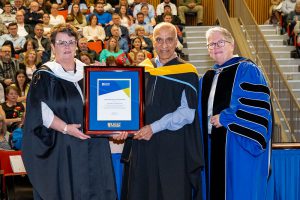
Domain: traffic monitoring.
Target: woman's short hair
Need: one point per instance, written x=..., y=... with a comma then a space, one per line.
x=138, y=28
x=11, y=87
x=220, y=30
x=67, y=28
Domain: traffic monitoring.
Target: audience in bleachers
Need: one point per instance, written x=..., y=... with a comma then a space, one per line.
x=116, y=21
x=148, y=29
x=25, y=27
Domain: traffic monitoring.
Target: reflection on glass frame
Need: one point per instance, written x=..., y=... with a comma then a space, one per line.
x=113, y=99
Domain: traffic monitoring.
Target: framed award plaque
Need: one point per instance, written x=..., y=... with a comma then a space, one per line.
x=113, y=99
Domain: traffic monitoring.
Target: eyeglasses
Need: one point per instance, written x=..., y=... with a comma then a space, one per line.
x=220, y=43
x=62, y=43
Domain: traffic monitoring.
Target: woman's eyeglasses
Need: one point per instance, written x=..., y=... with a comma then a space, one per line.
x=62, y=43
x=220, y=43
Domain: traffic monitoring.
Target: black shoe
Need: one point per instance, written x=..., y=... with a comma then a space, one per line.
x=199, y=24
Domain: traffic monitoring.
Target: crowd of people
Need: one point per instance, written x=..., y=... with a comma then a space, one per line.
x=286, y=14
x=218, y=128
x=124, y=29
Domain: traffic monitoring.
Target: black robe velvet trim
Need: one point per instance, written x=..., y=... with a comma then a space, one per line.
x=60, y=166
x=255, y=88
x=218, y=135
x=253, y=118
x=168, y=166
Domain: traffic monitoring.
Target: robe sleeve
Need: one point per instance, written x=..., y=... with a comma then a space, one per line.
x=38, y=140
x=249, y=115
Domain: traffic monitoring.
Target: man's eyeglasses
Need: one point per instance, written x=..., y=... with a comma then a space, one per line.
x=62, y=43
x=220, y=43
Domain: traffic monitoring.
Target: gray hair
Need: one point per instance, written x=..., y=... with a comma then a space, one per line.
x=221, y=30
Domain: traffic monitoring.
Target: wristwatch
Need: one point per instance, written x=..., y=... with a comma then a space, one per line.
x=65, y=130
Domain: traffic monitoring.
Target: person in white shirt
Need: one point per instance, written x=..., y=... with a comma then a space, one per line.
x=23, y=29
x=55, y=18
x=160, y=7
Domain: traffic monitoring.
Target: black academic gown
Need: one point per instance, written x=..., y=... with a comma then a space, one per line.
x=167, y=166
x=59, y=166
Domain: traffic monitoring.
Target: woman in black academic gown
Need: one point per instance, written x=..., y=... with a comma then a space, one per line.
x=61, y=161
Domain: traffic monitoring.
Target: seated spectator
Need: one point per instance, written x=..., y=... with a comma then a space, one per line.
x=167, y=10
x=46, y=25
x=106, y=6
x=33, y=17
x=42, y=7
x=81, y=5
x=85, y=58
x=93, y=31
x=135, y=48
x=123, y=44
x=79, y=19
x=146, y=42
x=83, y=47
x=116, y=21
x=3, y=29
x=4, y=135
x=147, y=18
x=111, y=61
x=275, y=11
x=23, y=29
x=12, y=110
x=287, y=7
x=168, y=17
x=61, y=4
x=31, y=63
x=11, y=45
x=103, y=17
x=111, y=50
x=18, y=41
x=190, y=6
x=140, y=57
x=18, y=6
x=137, y=9
x=2, y=95
x=6, y=16
x=140, y=22
x=129, y=11
x=126, y=19
x=55, y=18
x=30, y=44
x=160, y=10
x=293, y=18
x=22, y=83
x=44, y=47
